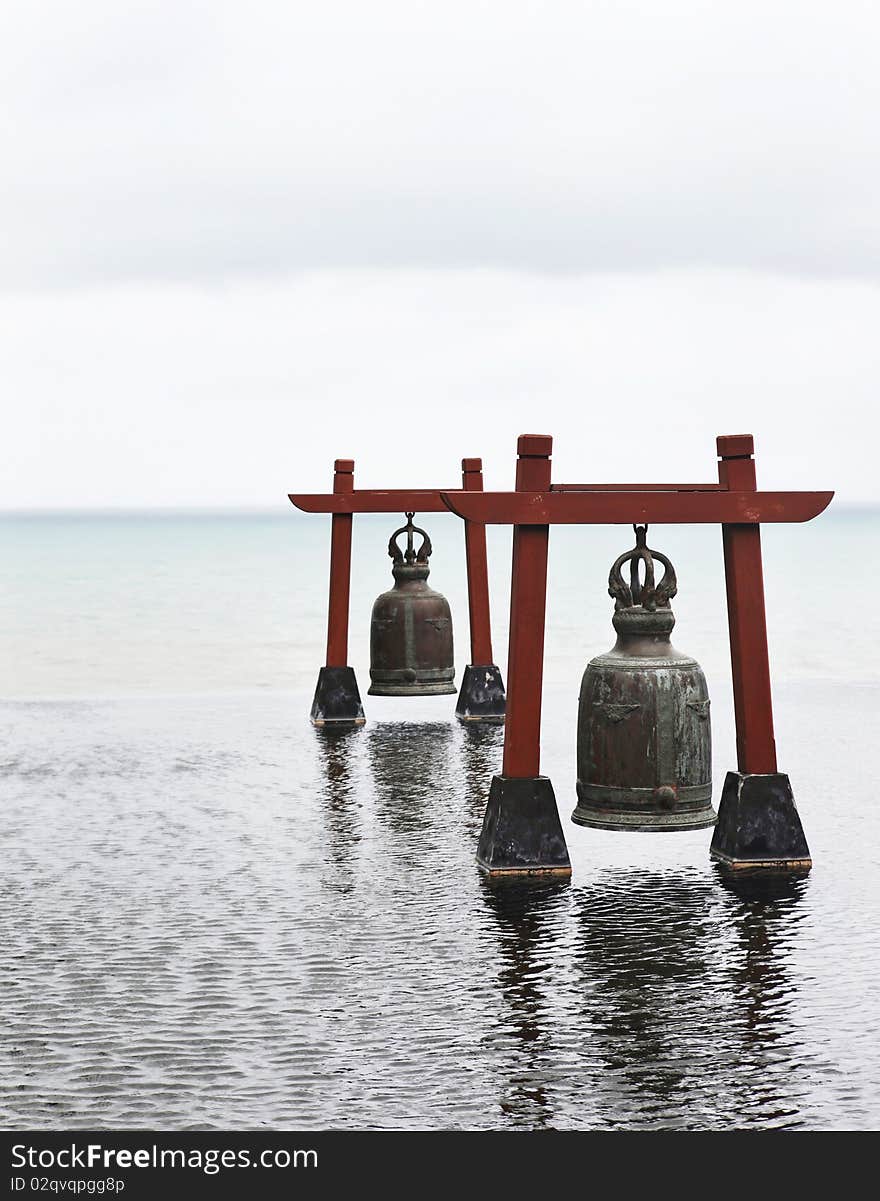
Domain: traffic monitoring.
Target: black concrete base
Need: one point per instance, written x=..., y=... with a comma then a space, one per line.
x=522, y=834
x=481, y=697
x=758, y=825
x=337, y=704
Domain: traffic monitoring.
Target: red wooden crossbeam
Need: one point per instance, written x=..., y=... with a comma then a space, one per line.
x=374, y=500
x=634, y=487
x=718, y=506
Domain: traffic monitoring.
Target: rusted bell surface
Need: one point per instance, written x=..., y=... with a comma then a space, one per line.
x=644, y=754
x=411, y=630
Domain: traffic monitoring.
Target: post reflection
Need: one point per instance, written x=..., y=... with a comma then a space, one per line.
x=526, y=916
x=481, y=750
x=765, y=912
x=337, y=756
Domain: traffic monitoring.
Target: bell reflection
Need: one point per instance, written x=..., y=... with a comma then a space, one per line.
x=410, y=765
x=648, y=952
x=525, y=915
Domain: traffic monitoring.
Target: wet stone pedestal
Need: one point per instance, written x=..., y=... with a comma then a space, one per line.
x=522, y=833
x=337, y=702
x=758, y=825
x=482, y=697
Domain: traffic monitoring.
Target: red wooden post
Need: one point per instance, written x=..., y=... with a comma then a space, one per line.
x=481, y=697
x=477, y=570
x=758, y=823
x=749, y=659
x=522, y=834
x=340, y=570
x=528, y=595
x=337, y=702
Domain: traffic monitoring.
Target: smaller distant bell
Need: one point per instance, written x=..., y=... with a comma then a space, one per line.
x=644, y=753
x=411, y=629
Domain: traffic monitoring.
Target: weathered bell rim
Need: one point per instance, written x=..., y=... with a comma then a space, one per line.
x=429, y=681
x=416, y=689
x=635, y=823
x=596, y=808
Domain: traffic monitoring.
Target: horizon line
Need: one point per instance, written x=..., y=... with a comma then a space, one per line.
x=244, y=510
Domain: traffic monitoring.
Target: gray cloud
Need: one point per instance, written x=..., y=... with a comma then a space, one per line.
x=235, y=395
x=174, y=141
x=239, y=240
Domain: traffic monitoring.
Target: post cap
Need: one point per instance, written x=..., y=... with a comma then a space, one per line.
x=735, y=446
x=344, y=466
x=534, y=446
x=472, y=464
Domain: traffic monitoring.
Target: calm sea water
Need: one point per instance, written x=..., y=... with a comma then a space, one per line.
x=214, y=916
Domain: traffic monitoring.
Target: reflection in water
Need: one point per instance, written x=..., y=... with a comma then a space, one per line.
x=523, y=913
x=765, y=912
x=211, y=920
x=480, y=749
x=637, y=998
x=685, y=997
x=409, y=762
x=337, y=756
x=644, y=949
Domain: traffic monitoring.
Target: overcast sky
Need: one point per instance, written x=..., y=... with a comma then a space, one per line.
x=238, y=240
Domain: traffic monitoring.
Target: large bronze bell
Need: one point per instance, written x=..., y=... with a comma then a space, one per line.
x=644, y=754
x=411, y=630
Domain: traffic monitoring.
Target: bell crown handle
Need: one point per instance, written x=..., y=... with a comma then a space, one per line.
x=410, y=555
x=647, y=594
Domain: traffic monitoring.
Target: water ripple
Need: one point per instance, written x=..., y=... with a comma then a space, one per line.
x=214, y=917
